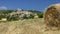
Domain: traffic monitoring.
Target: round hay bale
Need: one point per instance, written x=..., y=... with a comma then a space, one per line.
x=35, y=17
x=52, y=15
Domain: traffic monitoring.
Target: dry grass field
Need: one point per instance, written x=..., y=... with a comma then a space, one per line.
x=26, y=26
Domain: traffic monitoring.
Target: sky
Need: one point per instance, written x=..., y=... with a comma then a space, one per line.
x=26, y=4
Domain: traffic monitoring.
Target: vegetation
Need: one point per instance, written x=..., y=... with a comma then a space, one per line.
x=39, y=13
x=16, y=16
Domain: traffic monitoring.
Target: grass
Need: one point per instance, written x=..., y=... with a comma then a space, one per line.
x=26, y=26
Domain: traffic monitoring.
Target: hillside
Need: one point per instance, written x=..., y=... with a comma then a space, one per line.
x=19, y=14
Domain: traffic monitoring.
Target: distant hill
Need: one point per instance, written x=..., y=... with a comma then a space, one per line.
x=18, y=14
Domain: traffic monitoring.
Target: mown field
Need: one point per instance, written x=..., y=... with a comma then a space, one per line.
x=26, y=26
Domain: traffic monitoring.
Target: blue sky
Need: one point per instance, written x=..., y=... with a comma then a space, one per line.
x=27, y=4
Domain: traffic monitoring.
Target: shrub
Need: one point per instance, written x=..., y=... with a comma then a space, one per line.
x=12, y=18
x=40, y=15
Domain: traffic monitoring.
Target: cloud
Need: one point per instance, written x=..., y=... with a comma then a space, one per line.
x=3, y=8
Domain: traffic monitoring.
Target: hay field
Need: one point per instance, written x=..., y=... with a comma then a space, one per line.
x=26, y=26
